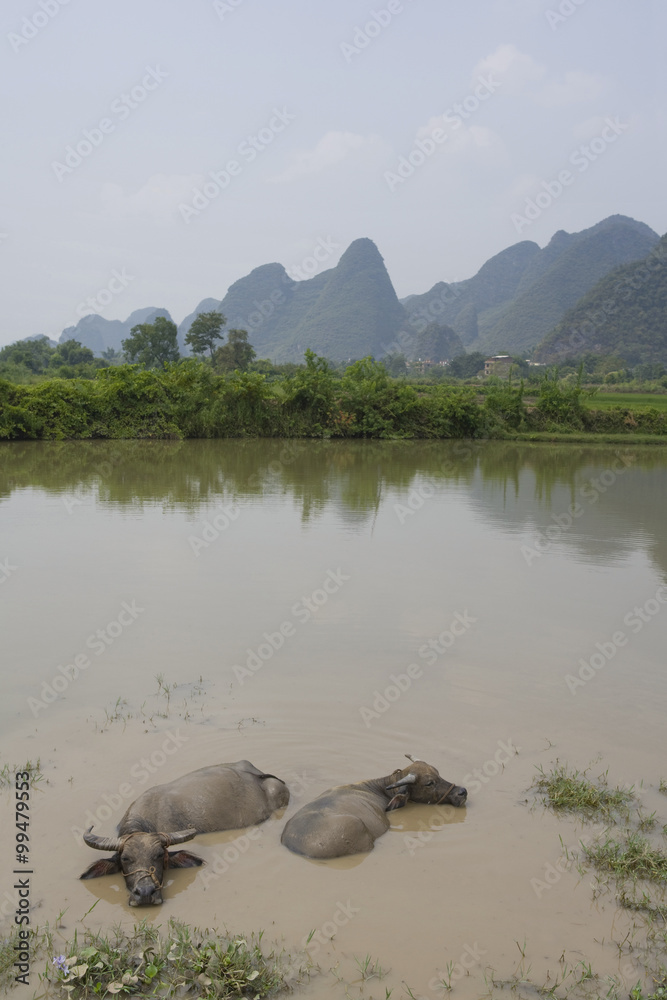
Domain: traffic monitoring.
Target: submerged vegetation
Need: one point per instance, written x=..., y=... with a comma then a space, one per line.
x=141, y=961
x=187, y=399
x=631, y=857
x=33, y=768
x=573, y=791
x=626, y=863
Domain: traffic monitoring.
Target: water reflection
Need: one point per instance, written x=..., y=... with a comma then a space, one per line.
x=547, y=490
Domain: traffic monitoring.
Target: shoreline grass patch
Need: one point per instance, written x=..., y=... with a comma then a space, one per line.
x=632, y=857
x=184, y=961
x=569, y=790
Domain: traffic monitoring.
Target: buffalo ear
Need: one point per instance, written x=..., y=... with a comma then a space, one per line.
x=183, y=859
x=105, y=866
x=399, y=800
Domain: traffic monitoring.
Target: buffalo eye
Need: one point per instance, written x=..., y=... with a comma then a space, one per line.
x=429, y=782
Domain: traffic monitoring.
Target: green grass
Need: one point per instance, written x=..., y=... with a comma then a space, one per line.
x=573, y=791
x=627, y=400
x=7, y=773
x=142, y=962
x=632, y=857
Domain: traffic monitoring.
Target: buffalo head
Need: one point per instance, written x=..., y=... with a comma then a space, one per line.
x=421, y=783
x=143, y=859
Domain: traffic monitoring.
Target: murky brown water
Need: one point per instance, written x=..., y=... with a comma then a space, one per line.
x=183, y=561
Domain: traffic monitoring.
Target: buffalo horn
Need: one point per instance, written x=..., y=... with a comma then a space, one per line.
x=415, y=760
x=102, y=843
x=409, y=779
x=178, y=838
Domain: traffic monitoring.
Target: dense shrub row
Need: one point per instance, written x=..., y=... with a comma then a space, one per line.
x=187, y=400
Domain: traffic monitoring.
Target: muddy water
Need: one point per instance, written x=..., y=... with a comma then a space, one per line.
x=265, y=600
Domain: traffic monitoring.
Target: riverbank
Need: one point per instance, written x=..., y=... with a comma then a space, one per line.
x=187, y=400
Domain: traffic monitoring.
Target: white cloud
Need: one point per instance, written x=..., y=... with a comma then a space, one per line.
x=514, y=69
x=158, y=198
x=575, y=88
x=333, y=148
x=470, y=141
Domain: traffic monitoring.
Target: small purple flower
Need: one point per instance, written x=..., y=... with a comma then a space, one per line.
x=60, y=963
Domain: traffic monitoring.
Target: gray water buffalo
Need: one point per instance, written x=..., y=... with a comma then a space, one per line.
x=349, y=818
x=218, y=797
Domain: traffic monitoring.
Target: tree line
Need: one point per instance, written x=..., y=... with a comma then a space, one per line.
x=156, y=344
x=151, y=345
x=187, y=399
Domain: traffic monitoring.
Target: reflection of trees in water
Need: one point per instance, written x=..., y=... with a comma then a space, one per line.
x=517, y=486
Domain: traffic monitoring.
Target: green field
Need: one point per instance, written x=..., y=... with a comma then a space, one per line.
x=628, y=400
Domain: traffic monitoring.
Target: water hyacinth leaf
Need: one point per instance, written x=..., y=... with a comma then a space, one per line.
x=253, y=975
x=204, y=980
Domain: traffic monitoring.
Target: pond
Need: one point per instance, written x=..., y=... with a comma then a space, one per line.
x=323, y=609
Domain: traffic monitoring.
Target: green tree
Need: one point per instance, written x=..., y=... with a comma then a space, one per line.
x=112, y=355
x=71, y=352
x=152, y=344
x=33, y=354
x=467, y=365
x=204, y=331
x=236, y=354
x=396, y=364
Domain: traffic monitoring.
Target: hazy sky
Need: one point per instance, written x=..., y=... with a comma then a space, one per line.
x=426, y=125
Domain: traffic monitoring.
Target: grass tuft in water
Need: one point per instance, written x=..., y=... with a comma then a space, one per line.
x=633, y=857
x=186, y=962
x=573, y=791
x=659, y=992
x=7, y=773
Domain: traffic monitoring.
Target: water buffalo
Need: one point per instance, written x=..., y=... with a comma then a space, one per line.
x=348, y=819
x=218, y=797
